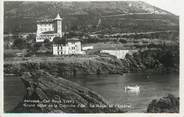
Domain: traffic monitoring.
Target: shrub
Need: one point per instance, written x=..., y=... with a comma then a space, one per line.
x=123, y=41
x=19, y=43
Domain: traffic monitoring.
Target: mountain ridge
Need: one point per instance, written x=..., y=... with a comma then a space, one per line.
x=22, y=16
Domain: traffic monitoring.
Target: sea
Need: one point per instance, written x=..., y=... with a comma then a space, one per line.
x=111, y=87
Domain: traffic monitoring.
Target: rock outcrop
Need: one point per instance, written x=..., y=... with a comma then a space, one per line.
x=67, y=66
x=149, y=60
x=169, y=104
x=47, y=93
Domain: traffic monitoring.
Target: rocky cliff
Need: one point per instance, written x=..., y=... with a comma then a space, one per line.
x=47, y=93
x=150, y=60
x=169, y=104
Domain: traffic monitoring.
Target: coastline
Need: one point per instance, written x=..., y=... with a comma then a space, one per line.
x=104, y=96
x=46, y=93
x=68, y=66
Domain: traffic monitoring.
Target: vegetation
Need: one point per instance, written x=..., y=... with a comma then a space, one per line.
x=164, y=59
x=169, y=104
x=85, y=16
x=19, y=43
x=65, y=66
x=113, y=26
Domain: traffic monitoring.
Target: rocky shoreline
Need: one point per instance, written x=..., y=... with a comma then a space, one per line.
x=48, y=94
x=168, y=104
x=161, y=61
x=45, y=80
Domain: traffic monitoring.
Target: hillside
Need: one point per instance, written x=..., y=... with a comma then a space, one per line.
x=121, y=16
x=161, y=60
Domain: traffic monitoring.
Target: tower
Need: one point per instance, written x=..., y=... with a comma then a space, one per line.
x=58, y=25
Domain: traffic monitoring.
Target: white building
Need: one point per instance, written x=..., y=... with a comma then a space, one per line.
x=70, y=46
x=52, y=29
x=48, y=29
x=87, y=48
x=120, y=54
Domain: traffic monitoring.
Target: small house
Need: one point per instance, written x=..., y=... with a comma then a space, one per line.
x=63, y=46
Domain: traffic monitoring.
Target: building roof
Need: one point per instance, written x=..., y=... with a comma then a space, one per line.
x=59, y=40
x=49, y=32
x=58, y=17
x=73, y=39
x=63, y=40
x=49, y=20
x=45, y=21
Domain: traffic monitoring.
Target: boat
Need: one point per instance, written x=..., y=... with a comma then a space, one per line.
x=132, y=88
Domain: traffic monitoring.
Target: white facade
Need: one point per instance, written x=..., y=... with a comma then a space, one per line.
x=87, y=48
x=48, y=29
x=120, y=54
x=42, y=37
x=74, y=47
x=71, y=47
x=57, y=49
x=44, y=27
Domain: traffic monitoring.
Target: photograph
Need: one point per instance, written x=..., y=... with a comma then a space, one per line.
x=90, y=57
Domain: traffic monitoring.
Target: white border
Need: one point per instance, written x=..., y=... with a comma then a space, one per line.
x=179, y=5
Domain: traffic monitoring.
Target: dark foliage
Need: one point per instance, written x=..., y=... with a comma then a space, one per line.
x=47, y=44
x=19, y=43
x=84, y=16
x=169, y=104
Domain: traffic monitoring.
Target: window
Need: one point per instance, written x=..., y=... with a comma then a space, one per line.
x=57, y=47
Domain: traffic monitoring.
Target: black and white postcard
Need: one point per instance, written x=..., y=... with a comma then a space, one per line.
x=92, y=57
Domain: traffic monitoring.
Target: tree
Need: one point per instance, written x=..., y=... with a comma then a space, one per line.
x=19, y=43
x=36, y=46
x=47, y=43
x=31, y=38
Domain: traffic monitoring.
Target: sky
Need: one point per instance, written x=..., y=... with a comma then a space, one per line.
x=173, y=6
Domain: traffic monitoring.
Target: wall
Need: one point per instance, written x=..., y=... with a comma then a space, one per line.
x=57, y=49
x=74, y=47
x=120, y=54
x=65, y=50
x=70, y=48
x=87, y=48
x=42, y=37
x=59, y=27
x=44, y=27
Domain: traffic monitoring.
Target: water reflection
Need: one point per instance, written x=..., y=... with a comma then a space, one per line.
x=132, y=90
x=112, y=87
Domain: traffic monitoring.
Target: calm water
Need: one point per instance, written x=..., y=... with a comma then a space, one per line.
x=14, y=91
x=111, y=87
